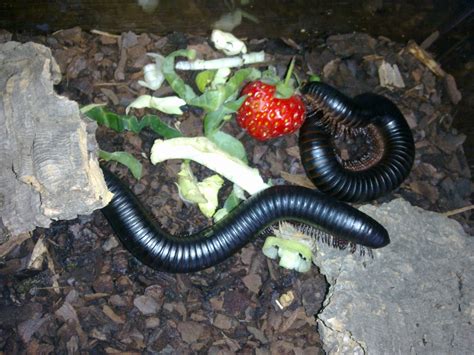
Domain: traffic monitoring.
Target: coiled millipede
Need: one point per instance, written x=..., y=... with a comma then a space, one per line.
x=376, y=173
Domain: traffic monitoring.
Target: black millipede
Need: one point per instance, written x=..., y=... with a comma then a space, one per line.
x=143, y=237
x=376, y=173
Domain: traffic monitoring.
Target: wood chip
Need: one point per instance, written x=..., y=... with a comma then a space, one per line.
x=190, y=331
x=450, y=84
x=301, y=180
x=258, y=334
x=425, y=58
x=253, y=282
x=425, y=189
x=95, y=296
x=13, y=242
x=111, y=96
x=389, y=76
x=298, y=313
x=222, y=322
x=293, y=151
x=330, y=68
x=112, y=315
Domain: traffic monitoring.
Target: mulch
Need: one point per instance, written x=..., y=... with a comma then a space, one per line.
x=91, y=296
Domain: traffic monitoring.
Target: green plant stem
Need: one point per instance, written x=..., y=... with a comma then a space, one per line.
x=289, y=71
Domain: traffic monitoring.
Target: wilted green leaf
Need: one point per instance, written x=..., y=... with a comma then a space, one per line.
x=270, y=76
x=188, y=185
x=204, y=78
x=213, y=120
x=210, y=187
x=210, y=101
x=314, y=77
x=204, y=193
x=120, y=123
x=284, y=91
x=229, y=144
x=159, y=127
x=124, y=158
x=176, y=83
x=233, y=106
x=233, y=85
x=89, y=107
x=230, y=203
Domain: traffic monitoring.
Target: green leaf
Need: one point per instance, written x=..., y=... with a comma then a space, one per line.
x=235, y=82
x=230, y=203
x=177, y=84
x=210, y=187
x=314, y=77
x=270, y=76
x=161, y=128
x=111, y=120
x=233, y=106
x=229, y=144
x=89, y=107
x=188, y=185
x=213, y=120
x=284, y=91
x=121, y=123
x=210, y=101
x=126, y=159
x=204, y=78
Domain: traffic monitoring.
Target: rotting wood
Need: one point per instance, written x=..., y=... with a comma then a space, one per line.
x=48, y=163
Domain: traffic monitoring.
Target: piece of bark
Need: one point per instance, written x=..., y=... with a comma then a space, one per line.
x=48, y=163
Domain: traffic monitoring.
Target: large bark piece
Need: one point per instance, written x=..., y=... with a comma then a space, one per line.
x=48, y=164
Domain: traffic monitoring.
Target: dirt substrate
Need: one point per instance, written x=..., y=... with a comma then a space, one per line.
x=91, y=296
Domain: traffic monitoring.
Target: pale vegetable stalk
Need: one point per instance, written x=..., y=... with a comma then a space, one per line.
x=205, y=152
x=229, y=62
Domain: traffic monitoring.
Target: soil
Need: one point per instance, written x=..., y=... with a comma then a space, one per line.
x=89, y=295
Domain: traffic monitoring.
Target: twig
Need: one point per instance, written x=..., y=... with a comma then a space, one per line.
x=109, y=84
x=458, y=210
x=105, y=34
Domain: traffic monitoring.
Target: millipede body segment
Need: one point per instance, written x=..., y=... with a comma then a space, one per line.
x=330, y=112
x=143, y=237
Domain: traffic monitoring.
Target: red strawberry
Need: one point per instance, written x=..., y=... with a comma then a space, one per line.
x=265, y=116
